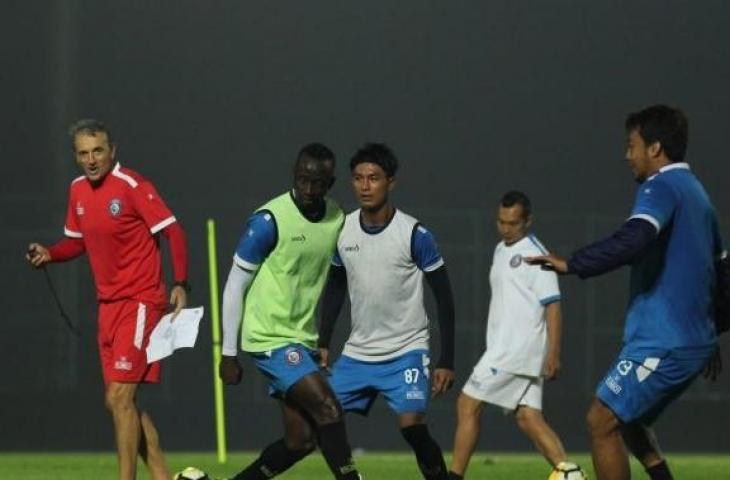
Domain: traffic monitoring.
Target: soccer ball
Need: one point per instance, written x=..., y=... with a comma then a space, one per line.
x=191, y=473
x=567, y=471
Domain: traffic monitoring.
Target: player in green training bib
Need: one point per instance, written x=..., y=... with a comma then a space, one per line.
x=278, y=273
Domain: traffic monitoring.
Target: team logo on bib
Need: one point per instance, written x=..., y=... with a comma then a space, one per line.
x=293, y=357
x=515, y=261
x=115, y=207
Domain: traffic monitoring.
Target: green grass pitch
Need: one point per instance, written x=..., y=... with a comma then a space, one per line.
x=373, y=465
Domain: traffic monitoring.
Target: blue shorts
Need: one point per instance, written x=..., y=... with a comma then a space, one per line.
x=642, y=383
x=285, y=366
x=404, y=382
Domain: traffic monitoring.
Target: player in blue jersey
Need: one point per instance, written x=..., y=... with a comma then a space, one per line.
x=671, y=241
x=383, y=256
x=280, y=266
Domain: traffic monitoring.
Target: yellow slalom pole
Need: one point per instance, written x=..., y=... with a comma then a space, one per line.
x=220, y=414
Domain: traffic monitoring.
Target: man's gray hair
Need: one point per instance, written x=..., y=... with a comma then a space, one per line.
x=89, y=126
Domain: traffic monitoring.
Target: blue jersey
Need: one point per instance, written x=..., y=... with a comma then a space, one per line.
x=671, y=281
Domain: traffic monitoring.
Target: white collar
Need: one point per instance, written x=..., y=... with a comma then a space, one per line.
x=671, y=166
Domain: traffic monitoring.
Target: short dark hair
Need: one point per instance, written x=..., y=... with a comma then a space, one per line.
x=89, y=126
x=515, y=197
x=316, y=151
x=379, y=154
x=663, y=124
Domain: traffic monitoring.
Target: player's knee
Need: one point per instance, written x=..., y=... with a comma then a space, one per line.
x=468, y=408
x=600, y=420
x=524, y=421
x=328, y=410
x=118, y=396
x=528, y=419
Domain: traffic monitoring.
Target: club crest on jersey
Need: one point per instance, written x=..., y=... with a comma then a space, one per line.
x=515, y=261
x=115, y=207
x=293, y=357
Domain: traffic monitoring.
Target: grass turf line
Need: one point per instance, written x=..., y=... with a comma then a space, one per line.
x=373, y=465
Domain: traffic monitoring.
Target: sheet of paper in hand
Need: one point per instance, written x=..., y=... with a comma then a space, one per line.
x=170, y=335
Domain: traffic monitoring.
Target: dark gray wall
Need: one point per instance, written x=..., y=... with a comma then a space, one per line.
x=212, y=99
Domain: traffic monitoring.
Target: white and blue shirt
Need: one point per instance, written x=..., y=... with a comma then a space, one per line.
x=671, y=282
x=385, y=281
x=516, y=326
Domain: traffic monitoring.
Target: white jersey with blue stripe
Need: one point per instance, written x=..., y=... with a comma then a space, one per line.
x=516, y=327
x=671, y=282
x=385, y=282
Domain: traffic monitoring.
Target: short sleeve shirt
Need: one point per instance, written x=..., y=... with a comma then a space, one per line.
x=118, y=221
x=671, y=282
x=516, y=327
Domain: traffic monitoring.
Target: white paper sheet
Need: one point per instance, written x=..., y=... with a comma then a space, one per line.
x=169, y=336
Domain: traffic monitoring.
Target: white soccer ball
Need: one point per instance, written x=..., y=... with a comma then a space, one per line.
x=191, y=473
x=567, y=471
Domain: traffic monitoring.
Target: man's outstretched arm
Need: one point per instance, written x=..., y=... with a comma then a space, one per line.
x=604, y=255
x=62, y=251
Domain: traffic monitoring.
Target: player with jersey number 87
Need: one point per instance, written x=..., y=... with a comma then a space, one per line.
x=383, y=256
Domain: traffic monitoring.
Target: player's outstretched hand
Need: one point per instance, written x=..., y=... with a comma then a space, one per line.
x=229, y=370
x=713, y=369
x=178, y=299
x=549, y=262
x=324, y=359
x=37, y=255
x=443, y=379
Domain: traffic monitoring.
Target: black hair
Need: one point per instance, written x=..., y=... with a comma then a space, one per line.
x=89, y=126
x=379, y=154
x=316, y=151
x=663, y=124
x=515, y=197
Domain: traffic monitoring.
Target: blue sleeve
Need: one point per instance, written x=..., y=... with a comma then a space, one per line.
x=614, y=251
x=424, y=250
x=655, y=202
x=257, y=241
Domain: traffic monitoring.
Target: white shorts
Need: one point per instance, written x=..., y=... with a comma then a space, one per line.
x=504, y=389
